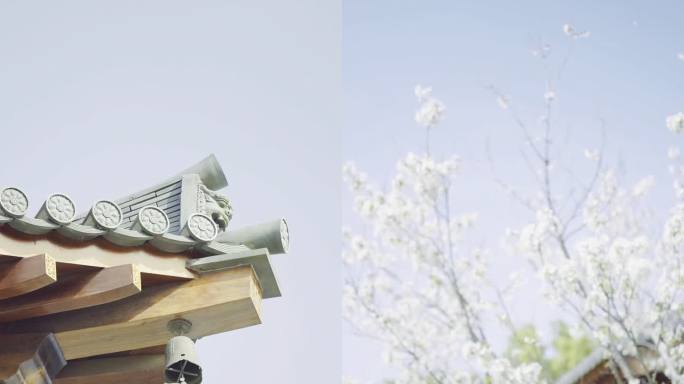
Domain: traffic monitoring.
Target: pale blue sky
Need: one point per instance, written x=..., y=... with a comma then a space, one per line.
x=100, y=99
x=627, y=73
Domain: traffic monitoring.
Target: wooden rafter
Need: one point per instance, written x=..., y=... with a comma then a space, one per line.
x=96, y=253
x=74, y=292
x=26, y=275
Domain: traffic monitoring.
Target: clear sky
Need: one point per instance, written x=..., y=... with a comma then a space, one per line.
x=101, y=99
x=626, y=73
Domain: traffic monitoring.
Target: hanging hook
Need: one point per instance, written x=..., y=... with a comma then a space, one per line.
x=179, y=327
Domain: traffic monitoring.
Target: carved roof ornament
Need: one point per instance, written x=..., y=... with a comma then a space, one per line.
x=13, y=202
x=105, y=214
x=202, y=228
x=153, y=220
x=214, y=205
x=58, y=208
x=272, y=235
x=284, y=236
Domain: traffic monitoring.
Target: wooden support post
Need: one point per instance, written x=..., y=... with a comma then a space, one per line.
x=26, y=275
x=215, y=303
x=78, y=291
x=139, y=369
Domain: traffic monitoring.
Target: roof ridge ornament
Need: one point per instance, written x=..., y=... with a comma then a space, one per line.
x=189, y=192
x=152, y=220
x=201, y=228
x=214, y=205
x=13, y=202
x=273, y=235
x=105, y=215
x=210, y=172
x=58, y=208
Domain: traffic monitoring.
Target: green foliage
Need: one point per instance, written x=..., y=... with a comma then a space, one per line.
x=569, y=350
x=524, y=346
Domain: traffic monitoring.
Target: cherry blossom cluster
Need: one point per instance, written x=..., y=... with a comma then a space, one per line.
x=413, y=280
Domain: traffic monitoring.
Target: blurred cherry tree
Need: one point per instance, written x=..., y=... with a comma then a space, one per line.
x=415, y=283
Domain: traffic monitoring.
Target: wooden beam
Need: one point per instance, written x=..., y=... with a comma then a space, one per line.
x=139, y=369
x=215, y=303
x=95, y=253
x=27, y=275
x=78, y=291
x=157, y=349
x=29, y=359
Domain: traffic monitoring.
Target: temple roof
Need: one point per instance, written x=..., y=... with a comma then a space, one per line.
x=183, y=213
x=591, y=362
x=596, y=367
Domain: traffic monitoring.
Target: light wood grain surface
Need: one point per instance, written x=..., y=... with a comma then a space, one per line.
x=74, y=292
x=140, y=369
x=215, y=303
x=26, y=275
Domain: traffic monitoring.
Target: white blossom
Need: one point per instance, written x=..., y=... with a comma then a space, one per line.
x=503, y=101
x=673, y=153
x=643, y=186
x=592, y=154
x=542, y=52
x=430, y=112
x=674, y=227
x=570, y=31
x=422, y=93
x=549, y=96
x=675, y=123
x=406, y=275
